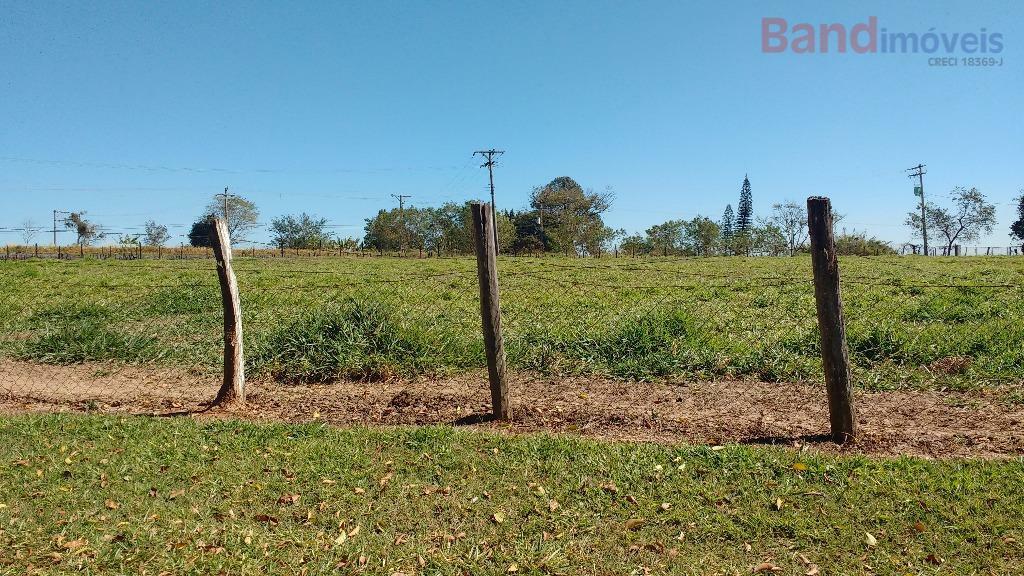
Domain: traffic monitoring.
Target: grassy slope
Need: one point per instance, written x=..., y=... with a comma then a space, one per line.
x=736, y=317
x=128, y=495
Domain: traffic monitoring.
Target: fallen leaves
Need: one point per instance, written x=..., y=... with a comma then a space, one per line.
x=498, y=517
x=287, y=499
x=634, y=524
x=766, y=567
x=111, y=505
x=267, y=519
x=75, y=544
x=870, y=540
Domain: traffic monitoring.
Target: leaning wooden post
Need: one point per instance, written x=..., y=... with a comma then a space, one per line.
x=233, y=387
x=490, y=307
x=834, y=354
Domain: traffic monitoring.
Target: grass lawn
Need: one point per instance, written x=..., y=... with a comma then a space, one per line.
x=932, y=323
x=114, y=495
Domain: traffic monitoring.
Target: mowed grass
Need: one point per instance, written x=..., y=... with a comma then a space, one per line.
x=119, y=495
x=912, y=322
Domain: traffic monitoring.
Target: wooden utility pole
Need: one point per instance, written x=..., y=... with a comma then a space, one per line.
x=401, y=218
x=834, y=353
x=490, y=307
x=489, y=164
x=232, y=388
x=224, y=198
x=919, y=172
x=55, y=213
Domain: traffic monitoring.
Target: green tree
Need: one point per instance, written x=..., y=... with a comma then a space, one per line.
x=530, y=237
x=156, y=235
x=701, y=236
x=635, y=245
x=969, y=217
x=745, y=210
x=666, y=238
x=383, y=231
x=1017, y=228
x=728, y=227
x=241, y=215
x=201, y=234
x=767, y=240
x=571, y=216
x=302, y=231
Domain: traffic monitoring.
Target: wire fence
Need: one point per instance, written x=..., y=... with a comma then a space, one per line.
x=703, y=350
x=267, y=250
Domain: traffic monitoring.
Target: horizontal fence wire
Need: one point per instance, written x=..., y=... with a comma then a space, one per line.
x=696, y=349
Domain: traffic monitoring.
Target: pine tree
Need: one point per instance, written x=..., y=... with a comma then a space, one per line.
x=727, y=223
x=745, y=215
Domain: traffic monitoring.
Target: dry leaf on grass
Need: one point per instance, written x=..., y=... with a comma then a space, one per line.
x=634, y=524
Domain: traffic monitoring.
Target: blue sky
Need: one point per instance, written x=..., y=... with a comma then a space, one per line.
x=133, y=110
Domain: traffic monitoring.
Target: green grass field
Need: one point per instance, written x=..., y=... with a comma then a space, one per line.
x=113, y=495
x=912, y=322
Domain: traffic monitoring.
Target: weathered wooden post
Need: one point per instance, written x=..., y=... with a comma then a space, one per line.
x=232, y=388
x=490, y=307
x=834, y=353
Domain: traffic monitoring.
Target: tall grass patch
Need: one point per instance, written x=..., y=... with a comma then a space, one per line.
x=359, y=340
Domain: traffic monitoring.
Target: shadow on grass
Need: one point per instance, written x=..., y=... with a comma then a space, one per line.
x=472, y=419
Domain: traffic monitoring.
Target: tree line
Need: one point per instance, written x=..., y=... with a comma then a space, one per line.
x=564, y=218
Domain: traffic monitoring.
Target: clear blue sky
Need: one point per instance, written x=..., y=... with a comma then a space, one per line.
x=132, y=110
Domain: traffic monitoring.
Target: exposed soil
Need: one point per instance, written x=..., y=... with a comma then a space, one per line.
x=930, y=424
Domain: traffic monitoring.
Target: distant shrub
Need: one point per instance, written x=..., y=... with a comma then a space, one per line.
x=860, y=244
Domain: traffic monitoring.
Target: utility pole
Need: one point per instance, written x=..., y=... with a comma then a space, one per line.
x=401, y=217
x=55, y=212
x=489, y=164
x=919, y=172
x=224, y=195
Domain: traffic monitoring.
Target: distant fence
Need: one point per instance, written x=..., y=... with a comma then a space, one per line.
x=958, y=250
x=184, y=252
x=707, y=350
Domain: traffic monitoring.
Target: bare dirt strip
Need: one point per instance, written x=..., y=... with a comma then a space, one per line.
x=988, y=423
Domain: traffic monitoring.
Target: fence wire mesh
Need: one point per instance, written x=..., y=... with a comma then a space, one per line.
x=703, y=350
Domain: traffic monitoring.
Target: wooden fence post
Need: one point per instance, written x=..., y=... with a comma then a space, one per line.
x=490, y=307
x=834, y=353
x=233, y=387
